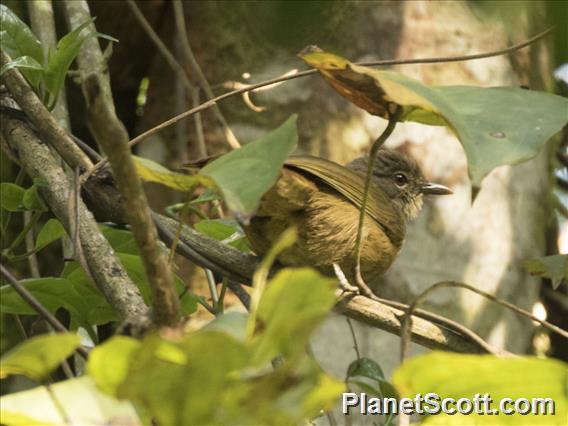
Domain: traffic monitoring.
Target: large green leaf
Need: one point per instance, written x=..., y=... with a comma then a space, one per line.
x=109, y=363
x=496, y=126
x=37, y=407
x=38, y=356
x=293, y=304
x=245, y=174
x=463, y=376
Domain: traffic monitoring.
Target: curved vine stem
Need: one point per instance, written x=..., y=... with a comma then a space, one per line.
x=407, y=321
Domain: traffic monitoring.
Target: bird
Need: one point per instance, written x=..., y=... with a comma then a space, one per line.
x=322, y=199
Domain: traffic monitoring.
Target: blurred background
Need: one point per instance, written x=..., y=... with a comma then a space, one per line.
x=514, y=218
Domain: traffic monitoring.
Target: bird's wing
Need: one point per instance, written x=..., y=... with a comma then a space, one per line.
x=350, y=185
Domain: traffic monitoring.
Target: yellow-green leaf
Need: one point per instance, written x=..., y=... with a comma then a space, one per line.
x=463, y=376
x=38, y=356
x=151, y=171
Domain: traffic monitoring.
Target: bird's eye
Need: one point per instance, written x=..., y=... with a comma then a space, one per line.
x=400, y=179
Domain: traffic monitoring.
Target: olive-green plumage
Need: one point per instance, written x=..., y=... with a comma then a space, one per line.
x=322, y=200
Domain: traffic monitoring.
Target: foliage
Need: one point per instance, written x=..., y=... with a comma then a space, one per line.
x=245, y=174
x=47, y=75
x=496, y=126
x=165, y=373
x=456, y=376
x=554, y=268
x=38, y=356
x=254, y=369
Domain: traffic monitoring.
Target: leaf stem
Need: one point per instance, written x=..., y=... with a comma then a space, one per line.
x=393, y=118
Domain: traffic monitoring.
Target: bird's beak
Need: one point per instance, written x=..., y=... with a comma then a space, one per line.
x=435, y=189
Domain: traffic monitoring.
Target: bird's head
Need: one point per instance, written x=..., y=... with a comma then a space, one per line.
x=401, y=179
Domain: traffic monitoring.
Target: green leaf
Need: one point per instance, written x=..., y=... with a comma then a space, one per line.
x=284, y=328
x=496, y=126
x=151, y=171
x=36, y=406
x=29, y=67
x=462, y=376
x=225, y=230
x=17, y=38
x=121, y=240
x=52, y=231
x=64, y=54
x=135, y=269
x=245, y=174
x=167, y=376
x=232, y=323
x=38, y=356
x=32, y=200
x=86, y=305
x=369, y=369
x=109, y=363
x=11, y=197
x=11, y=418
x=555, y=268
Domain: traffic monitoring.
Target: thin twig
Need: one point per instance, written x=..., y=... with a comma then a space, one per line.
x=407, y=321
x=393, y=119
x=37, y=306
x=500, y=52
x=212, y=102
x=32, y=258
x=354, y=337
x=196, y=69
x=58, y=406
x=201, y=147
x=162, y=48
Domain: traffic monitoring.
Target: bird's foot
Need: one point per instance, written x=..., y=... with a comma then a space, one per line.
x=343, y=282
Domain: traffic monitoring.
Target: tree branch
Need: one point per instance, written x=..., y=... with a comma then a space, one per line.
x=108, y=273
x=111, y=135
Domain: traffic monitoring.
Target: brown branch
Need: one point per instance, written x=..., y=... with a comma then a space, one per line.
x=113, y=138
x=108, y=273
x=111, y=135
x=423, y=332
x=42, y=119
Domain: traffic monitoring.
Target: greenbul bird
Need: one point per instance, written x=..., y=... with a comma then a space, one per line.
x=322, y=200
